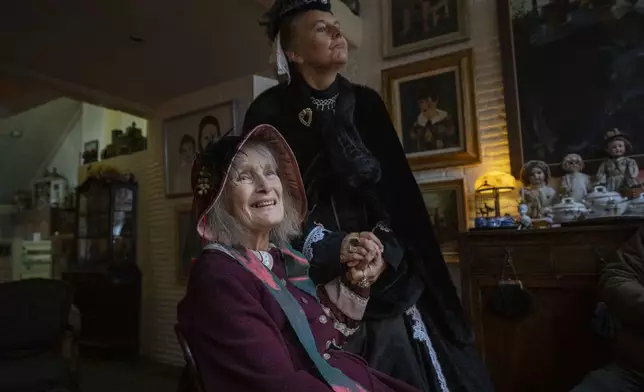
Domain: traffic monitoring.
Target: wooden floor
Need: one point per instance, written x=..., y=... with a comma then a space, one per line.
x=138, y=376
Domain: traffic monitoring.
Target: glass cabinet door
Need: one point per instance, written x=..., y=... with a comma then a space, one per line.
x=106, y=223
x=123, y=225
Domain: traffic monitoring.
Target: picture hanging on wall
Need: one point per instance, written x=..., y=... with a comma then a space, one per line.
x=353, y=5
x=188, y=244
x=414, y=25
x=432, y=104
x=90, y=152
x=190, y=133
x=447, y=207
x=572, y=71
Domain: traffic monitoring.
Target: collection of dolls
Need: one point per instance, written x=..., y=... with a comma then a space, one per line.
x=618, y=173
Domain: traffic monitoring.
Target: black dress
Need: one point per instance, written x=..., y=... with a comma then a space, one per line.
x=414, y=328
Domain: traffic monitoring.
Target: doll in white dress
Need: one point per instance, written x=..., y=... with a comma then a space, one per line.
x=619, y=173
x=538, y=196
x=574, y=183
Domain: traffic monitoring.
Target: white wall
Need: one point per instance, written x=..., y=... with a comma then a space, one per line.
x=127, y=119
x=261, y=84
x=93, y=123
x=67, y=157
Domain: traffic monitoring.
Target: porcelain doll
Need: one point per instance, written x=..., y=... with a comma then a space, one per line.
x=524, y=220
x=574, y=183
x=619, y=173
x=538, y=195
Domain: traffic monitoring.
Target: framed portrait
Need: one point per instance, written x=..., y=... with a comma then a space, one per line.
x=447, y=207
x=414, y=25
x=190, y=133
x=188, y=243
x=90, y=152
x=432, y=105
x=572, y=71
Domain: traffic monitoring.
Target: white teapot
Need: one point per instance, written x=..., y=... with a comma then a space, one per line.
x=603, y=203
x=568, y=210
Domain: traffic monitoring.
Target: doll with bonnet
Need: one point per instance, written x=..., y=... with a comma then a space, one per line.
x=618, y=173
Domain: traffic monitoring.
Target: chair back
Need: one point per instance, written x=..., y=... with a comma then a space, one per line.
x=33, y=315
x=190, y=360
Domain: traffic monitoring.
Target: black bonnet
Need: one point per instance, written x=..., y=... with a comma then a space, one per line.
x=282, y=9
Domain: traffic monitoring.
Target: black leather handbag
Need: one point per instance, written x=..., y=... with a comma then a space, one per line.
x=510, y=299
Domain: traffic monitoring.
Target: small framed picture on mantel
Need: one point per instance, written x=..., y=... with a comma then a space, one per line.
x=446, y=203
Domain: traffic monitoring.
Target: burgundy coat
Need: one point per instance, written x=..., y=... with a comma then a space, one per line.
x=242, y=340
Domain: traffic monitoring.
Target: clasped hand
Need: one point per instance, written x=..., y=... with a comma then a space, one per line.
x=362, y=253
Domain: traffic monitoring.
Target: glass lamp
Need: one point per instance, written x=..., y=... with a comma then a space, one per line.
x=488, y=187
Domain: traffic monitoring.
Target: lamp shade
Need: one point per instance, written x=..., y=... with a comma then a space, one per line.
x=495, y=181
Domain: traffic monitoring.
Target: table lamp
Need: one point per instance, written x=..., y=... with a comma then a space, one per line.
x=490, y=186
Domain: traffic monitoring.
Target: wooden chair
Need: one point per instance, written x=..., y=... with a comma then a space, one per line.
x=191, y=364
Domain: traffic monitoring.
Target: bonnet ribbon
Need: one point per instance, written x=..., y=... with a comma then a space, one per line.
x=278, y=57
x=297, y=273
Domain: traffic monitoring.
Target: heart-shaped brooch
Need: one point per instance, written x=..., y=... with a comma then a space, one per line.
x=306, y=117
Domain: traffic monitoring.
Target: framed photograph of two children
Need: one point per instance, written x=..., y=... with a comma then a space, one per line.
x=432, y=105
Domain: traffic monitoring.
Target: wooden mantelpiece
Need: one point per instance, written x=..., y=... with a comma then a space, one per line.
x=553, y=348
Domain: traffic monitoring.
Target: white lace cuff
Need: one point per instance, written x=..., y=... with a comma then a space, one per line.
x=340, y=327
x=348, y=302
x=317, y=234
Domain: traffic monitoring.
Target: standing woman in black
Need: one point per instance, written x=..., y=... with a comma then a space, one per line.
x=359, y=184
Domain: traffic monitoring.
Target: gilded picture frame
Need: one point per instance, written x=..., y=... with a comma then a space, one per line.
x=411, y=26
x=446, y=203
x=432, y=106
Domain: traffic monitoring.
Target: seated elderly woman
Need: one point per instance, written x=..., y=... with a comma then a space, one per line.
x=251, y=315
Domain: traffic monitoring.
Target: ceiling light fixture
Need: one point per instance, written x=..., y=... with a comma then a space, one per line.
x=136, y=39
x=16, y=133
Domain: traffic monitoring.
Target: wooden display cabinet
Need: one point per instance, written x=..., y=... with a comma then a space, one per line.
x=104, y=274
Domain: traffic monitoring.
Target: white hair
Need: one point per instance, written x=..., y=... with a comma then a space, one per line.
x=228, y=230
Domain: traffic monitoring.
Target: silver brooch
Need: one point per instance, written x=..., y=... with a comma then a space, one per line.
x=306, y=117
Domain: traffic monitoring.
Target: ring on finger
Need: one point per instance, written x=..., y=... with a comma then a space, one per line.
x=352, y=249
x=364, y=282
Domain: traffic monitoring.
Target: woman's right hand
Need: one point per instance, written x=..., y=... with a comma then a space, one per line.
x=365, y=278
x=358, y=250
